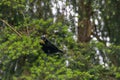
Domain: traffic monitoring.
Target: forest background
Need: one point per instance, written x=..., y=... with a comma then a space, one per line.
x=88, y=32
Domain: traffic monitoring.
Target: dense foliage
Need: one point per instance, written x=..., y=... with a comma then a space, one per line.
x=23, y=22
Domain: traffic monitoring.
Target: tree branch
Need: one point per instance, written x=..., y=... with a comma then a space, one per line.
x=11, y=27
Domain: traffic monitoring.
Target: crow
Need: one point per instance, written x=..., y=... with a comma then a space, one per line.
x=49, y=47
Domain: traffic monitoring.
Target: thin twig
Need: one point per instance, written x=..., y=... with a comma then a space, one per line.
x=11, y=27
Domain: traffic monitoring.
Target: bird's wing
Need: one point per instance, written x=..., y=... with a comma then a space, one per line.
x=51, y=44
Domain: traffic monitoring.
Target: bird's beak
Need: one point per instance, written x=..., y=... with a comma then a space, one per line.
x=42, y=42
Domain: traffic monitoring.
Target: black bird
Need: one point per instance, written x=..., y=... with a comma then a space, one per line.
x=48, y=47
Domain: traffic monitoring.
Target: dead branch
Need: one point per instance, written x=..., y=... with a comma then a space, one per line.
x=11, y=27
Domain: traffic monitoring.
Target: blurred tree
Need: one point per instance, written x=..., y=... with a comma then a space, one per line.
x=23, y=22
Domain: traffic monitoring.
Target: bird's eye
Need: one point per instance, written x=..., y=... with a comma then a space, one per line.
x=43, y=38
